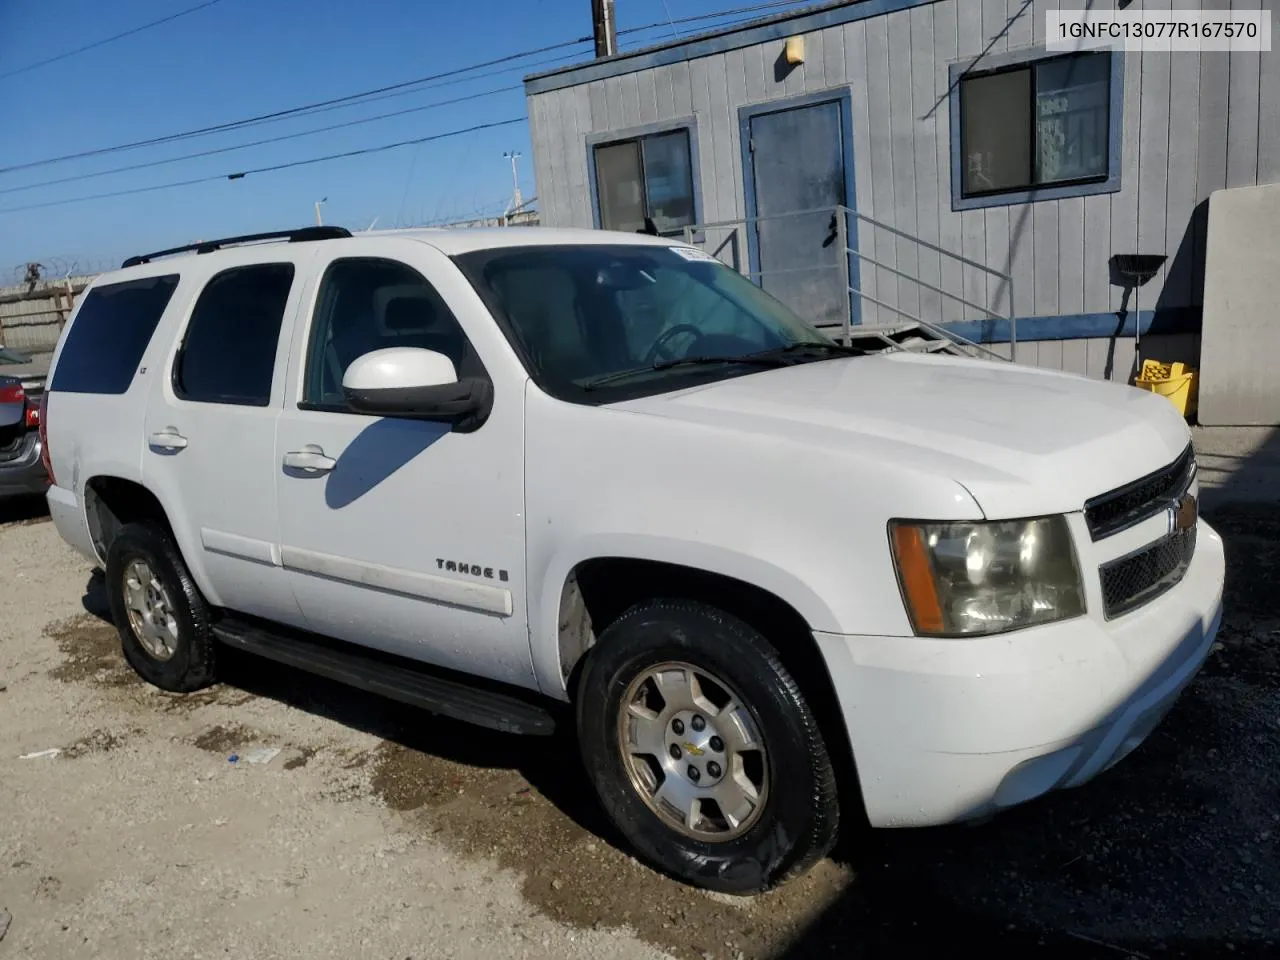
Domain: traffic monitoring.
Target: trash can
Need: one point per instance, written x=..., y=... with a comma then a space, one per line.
x=1175, y=381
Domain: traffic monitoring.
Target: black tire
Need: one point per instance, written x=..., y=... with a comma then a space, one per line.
x=193, y=664
x=798, y=824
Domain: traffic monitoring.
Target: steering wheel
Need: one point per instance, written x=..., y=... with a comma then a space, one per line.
x=658, y=352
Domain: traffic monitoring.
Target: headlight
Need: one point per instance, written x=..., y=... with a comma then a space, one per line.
x=969, y=579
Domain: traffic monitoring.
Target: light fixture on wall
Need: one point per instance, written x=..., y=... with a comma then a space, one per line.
x=794, y=51
x=1130, y=271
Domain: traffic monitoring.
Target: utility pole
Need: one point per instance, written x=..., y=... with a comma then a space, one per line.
x=319, y=222
x=517, y=201
x=604, y=27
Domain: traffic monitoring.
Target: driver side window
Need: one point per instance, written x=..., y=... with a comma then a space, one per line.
x=367, y=304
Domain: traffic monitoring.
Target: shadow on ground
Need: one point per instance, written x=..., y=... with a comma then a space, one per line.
x=1174, y=853
x=23, y=510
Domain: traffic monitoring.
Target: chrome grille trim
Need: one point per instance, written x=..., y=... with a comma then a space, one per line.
x=1109, y=513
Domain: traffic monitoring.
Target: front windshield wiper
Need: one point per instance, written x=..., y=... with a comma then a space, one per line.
x=773, y=357
x=749, y=358
x=826, y=348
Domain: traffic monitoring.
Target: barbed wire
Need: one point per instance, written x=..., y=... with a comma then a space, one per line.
x=55, y=267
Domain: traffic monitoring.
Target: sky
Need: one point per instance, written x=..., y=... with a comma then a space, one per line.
x=237, y=59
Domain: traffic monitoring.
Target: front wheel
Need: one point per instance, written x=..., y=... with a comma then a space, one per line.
x=703, y=750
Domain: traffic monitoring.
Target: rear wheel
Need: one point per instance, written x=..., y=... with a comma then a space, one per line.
x=703, y=750
x=162, y=618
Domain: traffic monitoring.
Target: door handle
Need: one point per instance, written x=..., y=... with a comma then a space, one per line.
x=167, y=439
x=310, y=459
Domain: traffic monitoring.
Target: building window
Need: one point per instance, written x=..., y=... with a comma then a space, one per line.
x=1036, y=125
x=645, y=177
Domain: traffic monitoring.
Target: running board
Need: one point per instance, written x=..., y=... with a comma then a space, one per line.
x=377, y=673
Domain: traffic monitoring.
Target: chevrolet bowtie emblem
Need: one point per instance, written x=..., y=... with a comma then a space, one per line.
x=1182, y=515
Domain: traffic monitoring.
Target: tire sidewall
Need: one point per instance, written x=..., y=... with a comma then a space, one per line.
x=727, y=649
x=139, y=542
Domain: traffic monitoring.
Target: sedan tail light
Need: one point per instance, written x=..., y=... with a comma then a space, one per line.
x=12, y=393
x=42, y=415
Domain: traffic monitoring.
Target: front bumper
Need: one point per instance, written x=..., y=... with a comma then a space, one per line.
x=24, y=473
x=947, y=730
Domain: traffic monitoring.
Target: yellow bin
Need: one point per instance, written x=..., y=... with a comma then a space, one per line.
x=1176, y=381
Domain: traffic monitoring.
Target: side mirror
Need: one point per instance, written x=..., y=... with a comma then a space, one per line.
x=417, y=384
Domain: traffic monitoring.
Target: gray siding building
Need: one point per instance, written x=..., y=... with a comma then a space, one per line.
x=958, y=142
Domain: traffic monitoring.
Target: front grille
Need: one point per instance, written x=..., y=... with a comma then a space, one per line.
x=1141, y=577
x=1122, y=507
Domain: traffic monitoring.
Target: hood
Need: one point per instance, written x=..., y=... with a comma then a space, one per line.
x=1023, y=441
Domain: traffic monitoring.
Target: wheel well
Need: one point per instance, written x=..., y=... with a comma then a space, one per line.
x=600, y=590
x=111, y=502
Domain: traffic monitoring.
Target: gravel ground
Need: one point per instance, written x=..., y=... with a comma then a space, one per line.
x=386, y=832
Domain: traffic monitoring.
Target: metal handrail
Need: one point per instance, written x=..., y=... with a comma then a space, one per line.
x=927, y=286
x=720, y=224
x=935, y=328
x=931, y=327
x=927, y=245
x=841, y=216
x=786, y=270
x=772, y=216
x=724, y=243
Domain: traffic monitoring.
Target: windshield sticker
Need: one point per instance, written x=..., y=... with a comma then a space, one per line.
x=693, y=253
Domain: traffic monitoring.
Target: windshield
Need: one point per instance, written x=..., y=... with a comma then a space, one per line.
x=598, y=323
x=11, y=356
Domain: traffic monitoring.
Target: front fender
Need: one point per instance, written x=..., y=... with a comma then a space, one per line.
x=802, y=516
x=544, y=613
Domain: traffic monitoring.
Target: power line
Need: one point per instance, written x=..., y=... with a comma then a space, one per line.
x=241, y=174
x=304, y=133
x=666, y=8
x=106, y=40
x=369, y=95
x=257, y=143
x=733, y=11
x=521, y=68
x=315, y=130
x=385, y=92
x=291, y=111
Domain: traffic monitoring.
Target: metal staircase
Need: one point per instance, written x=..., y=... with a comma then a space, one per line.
x=915, y=337
x=727, y=239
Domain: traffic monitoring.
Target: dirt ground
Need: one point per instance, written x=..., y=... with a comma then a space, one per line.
x=383, y=832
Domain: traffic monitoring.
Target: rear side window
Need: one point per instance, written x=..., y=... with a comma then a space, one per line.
x=229, y=352
x=110, y=334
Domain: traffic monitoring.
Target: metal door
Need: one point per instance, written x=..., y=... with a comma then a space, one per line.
x=798, y=162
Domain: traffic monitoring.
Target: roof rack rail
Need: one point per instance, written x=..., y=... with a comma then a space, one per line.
x=300, y=235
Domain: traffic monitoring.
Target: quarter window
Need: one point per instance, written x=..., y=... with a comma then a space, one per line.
x=229, y=352
x=368, y=304
x=1040, y=124
x=110, y=334
x=645, y=177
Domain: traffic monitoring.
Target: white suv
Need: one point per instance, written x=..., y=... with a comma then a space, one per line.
x=494, y=473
